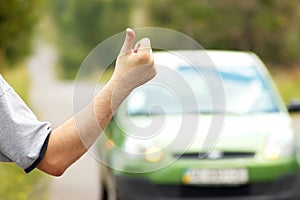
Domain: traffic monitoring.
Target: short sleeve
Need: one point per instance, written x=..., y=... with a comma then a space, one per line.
x=23, y=138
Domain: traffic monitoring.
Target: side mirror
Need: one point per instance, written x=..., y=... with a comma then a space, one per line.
x=294, y=105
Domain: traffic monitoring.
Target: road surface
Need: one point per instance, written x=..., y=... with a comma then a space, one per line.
x=52, y=100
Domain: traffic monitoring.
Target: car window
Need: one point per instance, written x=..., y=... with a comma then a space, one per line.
x=244, y=88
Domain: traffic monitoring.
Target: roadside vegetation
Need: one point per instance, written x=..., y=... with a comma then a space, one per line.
x=288, y=82
x=269, y=28
x=15, y=184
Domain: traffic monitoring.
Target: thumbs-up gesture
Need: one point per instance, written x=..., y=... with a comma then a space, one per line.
x=135, y=65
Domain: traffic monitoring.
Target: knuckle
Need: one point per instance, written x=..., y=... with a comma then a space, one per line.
x=145, y=58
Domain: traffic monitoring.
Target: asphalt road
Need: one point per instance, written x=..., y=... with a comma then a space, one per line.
x=52, y=100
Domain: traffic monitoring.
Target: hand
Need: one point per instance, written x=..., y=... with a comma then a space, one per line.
x=134, y=66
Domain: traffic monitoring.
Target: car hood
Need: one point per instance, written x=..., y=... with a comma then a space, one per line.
x=200, y=133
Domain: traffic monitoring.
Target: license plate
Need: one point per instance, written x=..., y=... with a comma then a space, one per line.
x=215, y=176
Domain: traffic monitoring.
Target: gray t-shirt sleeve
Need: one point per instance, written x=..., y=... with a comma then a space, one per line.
x=23, y=139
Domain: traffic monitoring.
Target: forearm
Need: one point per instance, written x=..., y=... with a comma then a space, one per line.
x=69, y=141
x=93, y=119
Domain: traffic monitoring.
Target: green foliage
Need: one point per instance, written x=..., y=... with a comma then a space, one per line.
x=16, y=185
x=268, y=27
x=17, y=77
x=83, y=24
x=288, y=82
x=17, y=22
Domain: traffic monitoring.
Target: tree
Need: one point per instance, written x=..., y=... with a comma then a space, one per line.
x=17, y=22
x=267, y=27
x=83, y=24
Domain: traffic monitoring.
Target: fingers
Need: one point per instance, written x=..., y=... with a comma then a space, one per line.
x=135, y=63
x=136, y=47
x=128, y=42
x=142, y=49
x=144, y=46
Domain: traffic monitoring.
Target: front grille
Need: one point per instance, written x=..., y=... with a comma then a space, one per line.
x=215, y=155
x=194, y=191
x=188, y=191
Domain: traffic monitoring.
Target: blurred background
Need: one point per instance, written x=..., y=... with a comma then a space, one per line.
x=66, y=31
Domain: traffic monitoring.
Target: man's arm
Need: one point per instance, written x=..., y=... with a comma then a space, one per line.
x=70, y=141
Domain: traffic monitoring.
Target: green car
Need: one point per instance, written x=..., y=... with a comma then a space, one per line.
x=210, y=125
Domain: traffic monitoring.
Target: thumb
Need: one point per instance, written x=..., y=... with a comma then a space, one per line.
x=128, y=42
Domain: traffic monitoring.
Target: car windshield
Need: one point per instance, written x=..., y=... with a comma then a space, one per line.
x=242, y=90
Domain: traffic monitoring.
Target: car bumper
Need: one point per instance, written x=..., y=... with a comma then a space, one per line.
x=284, y=188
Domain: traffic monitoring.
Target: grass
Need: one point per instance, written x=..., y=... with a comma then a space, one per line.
x=18, y=78
x=15, y=184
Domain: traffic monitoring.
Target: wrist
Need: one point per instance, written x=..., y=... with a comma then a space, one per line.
x=118, y=90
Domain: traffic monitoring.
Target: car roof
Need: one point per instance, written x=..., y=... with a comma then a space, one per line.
x=205, y=58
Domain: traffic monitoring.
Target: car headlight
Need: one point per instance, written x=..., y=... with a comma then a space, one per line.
x=153, y=154
x=280, y=146
x=139, y=149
